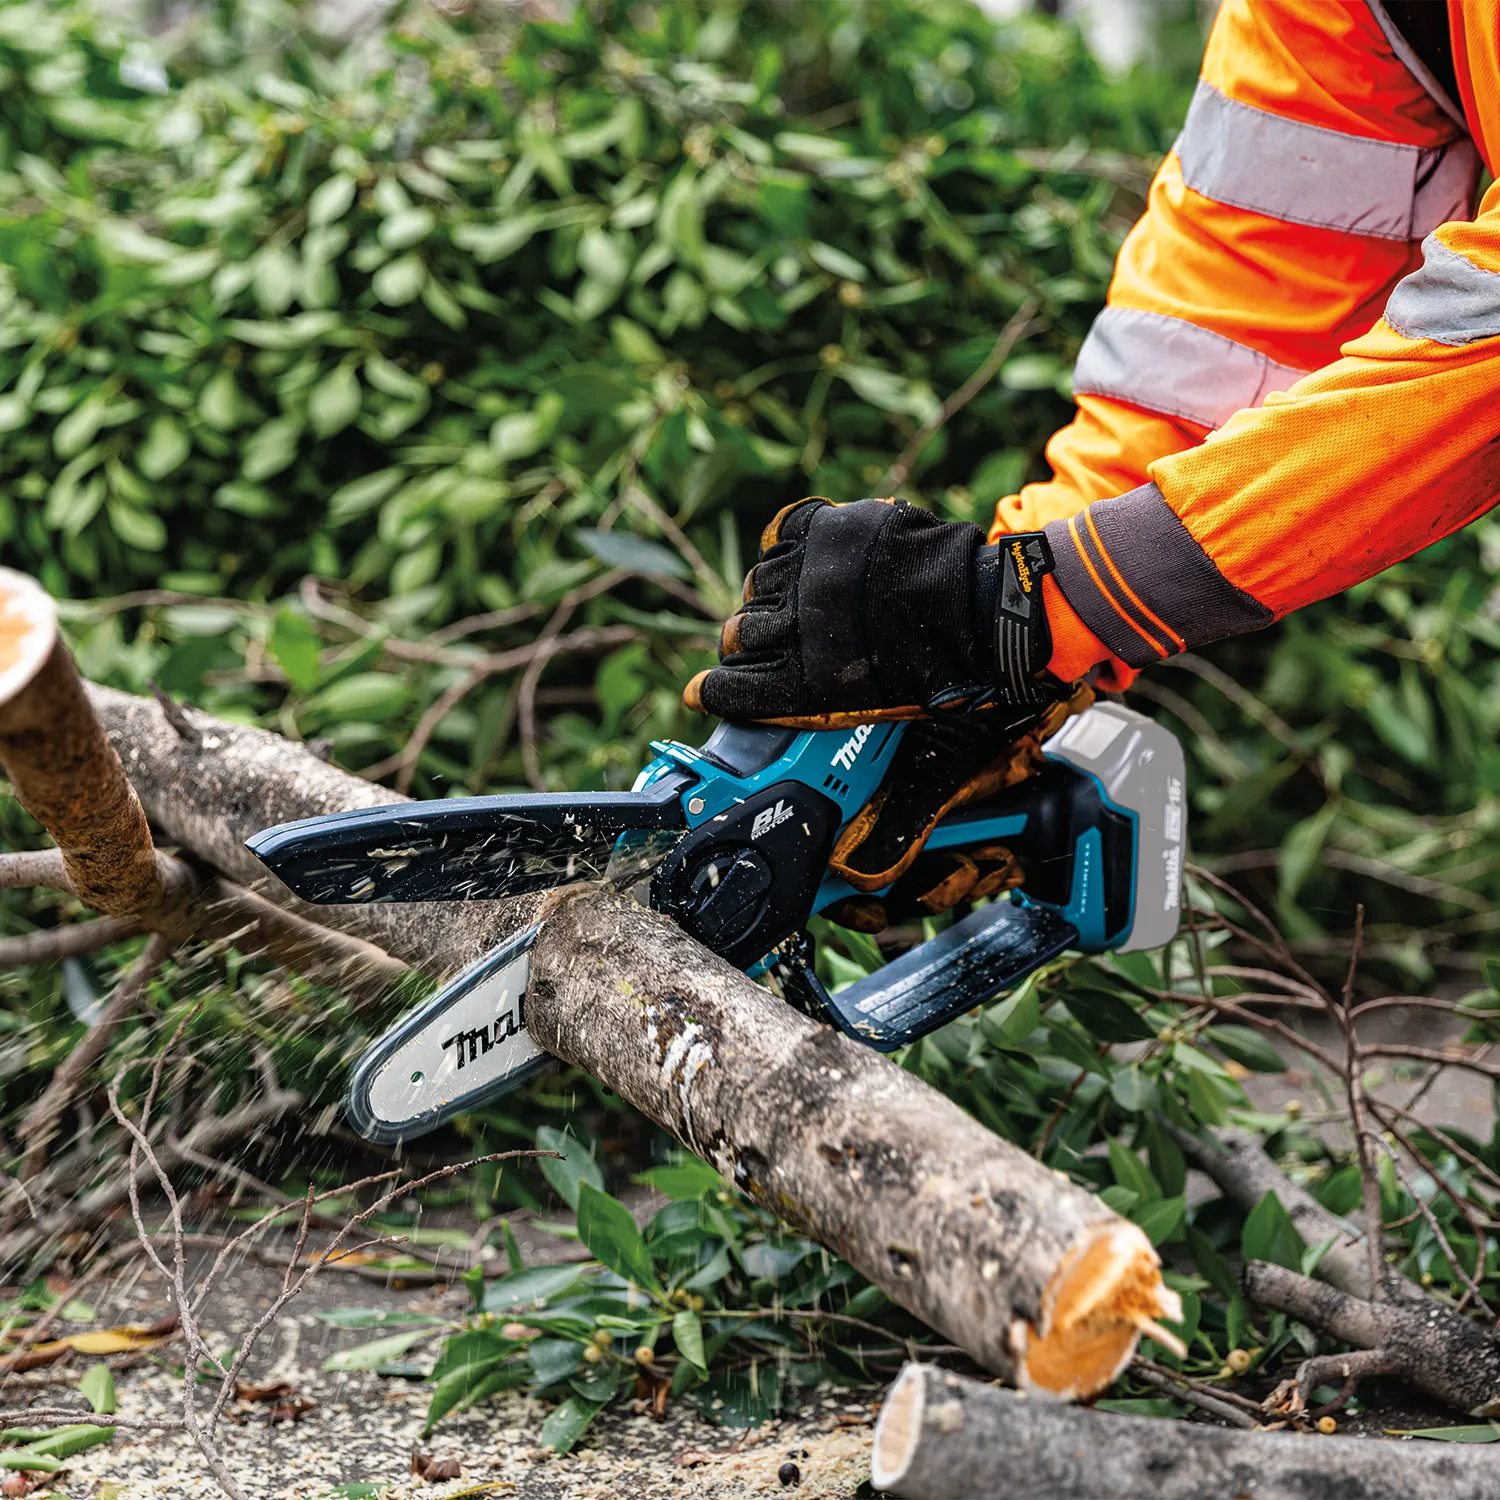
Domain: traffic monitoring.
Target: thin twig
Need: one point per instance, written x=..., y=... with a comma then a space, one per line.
x=1173, y=1385
x=76, y=938
x=1014, y=331
x=41, y=1120
x=27, y=867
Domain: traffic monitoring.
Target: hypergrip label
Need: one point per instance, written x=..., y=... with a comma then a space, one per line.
x=1023, y=573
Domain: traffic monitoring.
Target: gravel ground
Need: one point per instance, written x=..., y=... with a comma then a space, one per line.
x=366, y=1427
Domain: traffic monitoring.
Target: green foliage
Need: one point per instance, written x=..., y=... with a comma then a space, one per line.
x=714, y=1300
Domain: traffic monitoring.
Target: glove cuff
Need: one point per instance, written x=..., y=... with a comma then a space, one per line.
x=1023, y=643
x=1009, y=611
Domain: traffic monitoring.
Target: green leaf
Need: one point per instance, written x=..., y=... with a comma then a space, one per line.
x=1301, y=849
x=568, y=1423
x=489, y=243
x=78, y=429
x=165, y=447
x=271, y=448
x=619, y=549
x=378, y=1352
x=552, y=1360
x=743, y=1397
x=406, y=227
x=142, y=529
x=1133, y=1090
x=1204, y=1098
x=836, y=262
x=362, y=495
x=531, y=1286
x=1160, y=1220
x=1248, y=1047
x=1485, y=1432
x=1008, y=1022
x=400, y=281
x=295, y=645
x=1131, y=1172
x=219, y=403
x=605, y=1226
x=686, y=1180
x=98, y=1388
x=371, y=1317
x=67, y=1441
x=1212, y=1266
x=687, y=1334
x=575, y=1166
x=1107, y=1016
x=331, y=199
x=334, y=402
x=372, y=696
x=1270, y=1235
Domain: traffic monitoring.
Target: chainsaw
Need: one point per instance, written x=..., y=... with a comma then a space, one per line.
x=732, y=840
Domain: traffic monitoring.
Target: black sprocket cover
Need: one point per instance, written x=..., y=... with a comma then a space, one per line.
x=747, y=879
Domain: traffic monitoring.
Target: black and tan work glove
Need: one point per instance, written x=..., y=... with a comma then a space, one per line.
x=878, y=610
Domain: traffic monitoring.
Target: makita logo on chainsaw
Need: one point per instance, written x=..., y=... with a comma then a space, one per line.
x=484, y=1039
x=771, y=817
x=848, y=752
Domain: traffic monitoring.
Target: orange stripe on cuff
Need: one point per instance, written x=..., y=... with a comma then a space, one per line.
x=1129, y=592
x=1104, y=591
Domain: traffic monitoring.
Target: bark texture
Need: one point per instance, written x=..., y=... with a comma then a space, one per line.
x=965, y=1230
x=210, y=790
x=1454, y=1358
x=1037, y=1279
x=60, y=763
x=944, y=1437
x=1420, y=1338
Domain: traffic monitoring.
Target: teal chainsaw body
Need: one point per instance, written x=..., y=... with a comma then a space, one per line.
x=732, y=840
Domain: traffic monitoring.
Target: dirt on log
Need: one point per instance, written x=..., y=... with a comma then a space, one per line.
x=1033, y=1276
x=944, y=1437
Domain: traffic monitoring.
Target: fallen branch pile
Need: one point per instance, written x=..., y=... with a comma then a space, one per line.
x=944, y=1437
x=1032, y=1276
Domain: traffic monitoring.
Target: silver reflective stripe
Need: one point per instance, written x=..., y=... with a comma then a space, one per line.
x=1237, y=154
x=1447, y=298
x=1416, y=67
x=1170, y=365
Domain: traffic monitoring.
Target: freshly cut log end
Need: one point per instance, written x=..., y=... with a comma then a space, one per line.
x=899, y=1428
x=28, y=630
x=1105, y=1294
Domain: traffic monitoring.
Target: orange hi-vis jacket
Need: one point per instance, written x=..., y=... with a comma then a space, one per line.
x=1296, y=381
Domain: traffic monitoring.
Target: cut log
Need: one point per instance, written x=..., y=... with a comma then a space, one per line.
x=1033, y=1276
x=67, y=774
x=61, y=765
x=941, y=1436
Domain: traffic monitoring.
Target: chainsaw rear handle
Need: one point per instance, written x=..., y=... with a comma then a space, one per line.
x=989, y=951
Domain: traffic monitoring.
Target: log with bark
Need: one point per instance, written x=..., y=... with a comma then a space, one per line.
x=1396, y=1327
x=1034, y=1277
x=942, y=1436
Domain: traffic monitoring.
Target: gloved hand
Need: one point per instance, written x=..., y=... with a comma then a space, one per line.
x=879, y=610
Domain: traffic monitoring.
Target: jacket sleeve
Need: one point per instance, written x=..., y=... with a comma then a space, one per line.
x=1312, y=164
